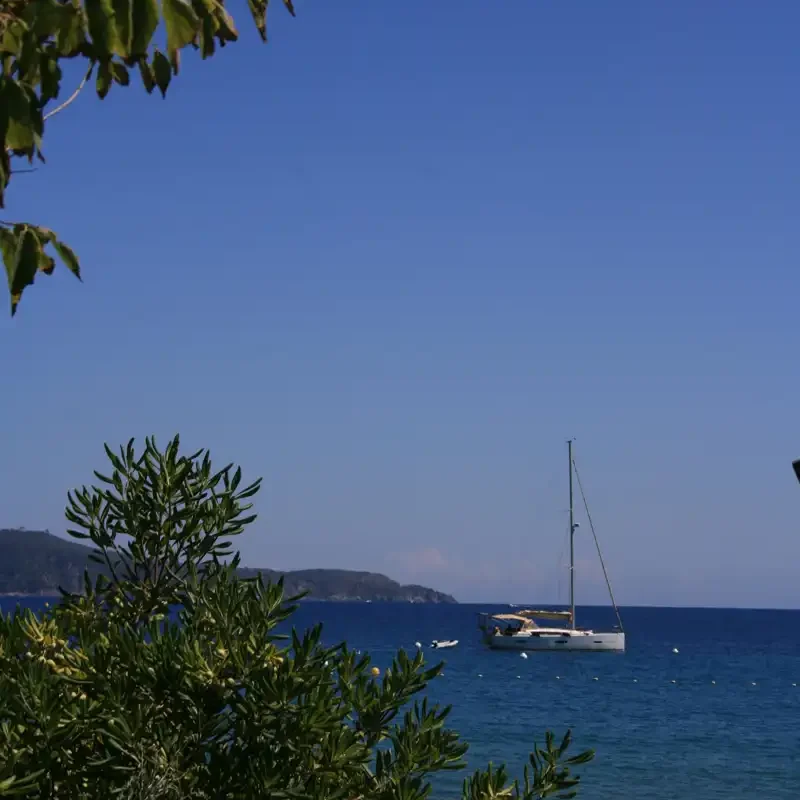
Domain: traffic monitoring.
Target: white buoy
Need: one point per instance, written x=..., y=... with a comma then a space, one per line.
x=518, y=677
x=753, y=683
x=523, y=655
x=480, y=674
x=418, y=645
x=713, y=683
x=794, y=684
x=558, y=677
x=635, y=680
x=675, y=650
x=673, y=681
x=595, y=679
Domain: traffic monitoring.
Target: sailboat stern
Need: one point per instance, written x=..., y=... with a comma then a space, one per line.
x=555, y=640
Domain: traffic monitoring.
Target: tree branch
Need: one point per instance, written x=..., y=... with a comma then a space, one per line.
x=72, y=97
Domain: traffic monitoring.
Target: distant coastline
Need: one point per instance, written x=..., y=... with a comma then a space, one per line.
x=37, y=564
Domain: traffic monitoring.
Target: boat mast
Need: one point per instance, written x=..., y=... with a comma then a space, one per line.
x=571, y=539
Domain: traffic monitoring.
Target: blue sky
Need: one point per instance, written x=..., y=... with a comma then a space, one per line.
x=391, y=260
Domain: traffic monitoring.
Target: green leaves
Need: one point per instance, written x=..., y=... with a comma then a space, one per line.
x=50, y=73
x=258, y=10
x=14, y=787
x=144, y=21
x=66, y=254
x=198, y=512
x=548, y=775
x=123, y=22
x=20, y=116
x=182, y=26
x=109, y=694
x=111, y=35
x=27, y=255
x=24, y=254
x=161, y=71
x=120, y=73
x=104, y=78
x=147, y=75
x=102, y=27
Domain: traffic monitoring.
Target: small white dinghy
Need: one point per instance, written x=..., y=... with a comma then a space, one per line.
x=447, y=643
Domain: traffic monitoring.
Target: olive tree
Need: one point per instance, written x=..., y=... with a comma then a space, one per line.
x=167, y=677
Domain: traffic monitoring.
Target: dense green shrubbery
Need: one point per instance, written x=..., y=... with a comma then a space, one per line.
x=107, y=694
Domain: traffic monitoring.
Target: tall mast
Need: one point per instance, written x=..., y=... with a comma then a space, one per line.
x=571, y=539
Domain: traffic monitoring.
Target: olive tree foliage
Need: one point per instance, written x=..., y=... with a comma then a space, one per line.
x=111, y=40
x=167, y=676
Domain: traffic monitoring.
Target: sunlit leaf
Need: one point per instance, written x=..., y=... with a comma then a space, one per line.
x=104, y=77
x=227, y=26
x=123, y=22
x=67, y=256
x=26, y=265
x=145, y=18
x=182, y=24
x=208, y=30
x=258, y=10
x=11, y=39
x=102, y=27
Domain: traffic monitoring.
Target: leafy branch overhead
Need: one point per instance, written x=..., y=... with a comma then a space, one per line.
x=115, y=40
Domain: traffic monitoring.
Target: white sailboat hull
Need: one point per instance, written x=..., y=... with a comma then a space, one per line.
x=553, y=642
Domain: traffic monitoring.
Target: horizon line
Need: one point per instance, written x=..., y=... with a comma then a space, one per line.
x=630, y=606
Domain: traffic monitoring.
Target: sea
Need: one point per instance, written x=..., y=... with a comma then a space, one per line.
x=719, y=718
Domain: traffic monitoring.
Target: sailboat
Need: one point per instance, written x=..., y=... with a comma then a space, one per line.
x=523, y=630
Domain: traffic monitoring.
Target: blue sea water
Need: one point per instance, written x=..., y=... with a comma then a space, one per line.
x=719, y=719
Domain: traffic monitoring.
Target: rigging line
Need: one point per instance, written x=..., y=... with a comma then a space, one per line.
x=597, y=545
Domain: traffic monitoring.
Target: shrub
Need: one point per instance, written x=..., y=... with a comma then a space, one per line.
x=166, y=678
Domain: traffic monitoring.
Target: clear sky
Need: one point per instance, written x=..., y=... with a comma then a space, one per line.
x=391, y=260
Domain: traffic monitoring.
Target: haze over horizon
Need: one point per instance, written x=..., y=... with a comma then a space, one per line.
x=393, y=259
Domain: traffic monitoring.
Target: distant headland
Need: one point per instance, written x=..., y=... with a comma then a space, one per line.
x=39, y=563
